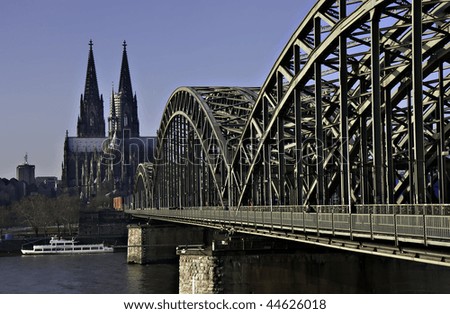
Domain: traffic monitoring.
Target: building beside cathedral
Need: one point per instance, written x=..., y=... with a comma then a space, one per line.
x=94, y=161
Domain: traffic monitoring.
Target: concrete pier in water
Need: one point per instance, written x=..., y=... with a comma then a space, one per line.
x=207, y=258
x=157, y=242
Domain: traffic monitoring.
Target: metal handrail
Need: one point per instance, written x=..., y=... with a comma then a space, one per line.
x=407, y=228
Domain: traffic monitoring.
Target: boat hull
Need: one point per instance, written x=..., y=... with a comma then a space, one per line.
x=67, y=252
x=61, y=246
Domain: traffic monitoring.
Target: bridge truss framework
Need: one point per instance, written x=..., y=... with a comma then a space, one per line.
x=355, y=111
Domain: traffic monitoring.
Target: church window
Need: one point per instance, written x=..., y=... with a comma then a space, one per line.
x=125, y=120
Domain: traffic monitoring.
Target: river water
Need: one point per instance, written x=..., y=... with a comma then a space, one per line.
x=315, y=271
x=96, y=273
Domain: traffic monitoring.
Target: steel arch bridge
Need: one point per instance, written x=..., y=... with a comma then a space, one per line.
x=355, y=111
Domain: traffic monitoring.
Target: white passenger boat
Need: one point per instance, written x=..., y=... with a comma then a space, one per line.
x=63, y=246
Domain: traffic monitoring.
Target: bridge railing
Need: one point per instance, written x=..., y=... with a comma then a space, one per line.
x=383, y=224
x=406, y=228
x=394, y=209
x=404, y=209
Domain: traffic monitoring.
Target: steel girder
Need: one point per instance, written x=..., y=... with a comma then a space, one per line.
x=200, y=130
x=143, y=183
x=354, y=111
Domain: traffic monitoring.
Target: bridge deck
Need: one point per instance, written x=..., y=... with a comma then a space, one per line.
x=382, y=234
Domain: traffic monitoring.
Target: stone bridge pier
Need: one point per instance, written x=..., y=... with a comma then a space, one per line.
x=225, y=265
x=208, y=259
x=155, y=241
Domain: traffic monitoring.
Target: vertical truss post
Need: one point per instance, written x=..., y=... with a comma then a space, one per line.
x=158, y=182
x=160, y=178
x=174, y=178
x=177, y=167
x=173, y=183
x=298, y=146
x=410, y=148
x=298, y=132
x=167, y=169
x=241, y=158
x=388, y=144
x=198, y=169
x=318, y=118
x=266, y=157
x=281, y=161
x=186, y=161
x=267, y=176
x=255, y=177
x=232, y=201
x=343, y=78
x=166, y=173
x=364, y=161
x=440, y=130
x=190, y=163
x=182, y=165
x=279, y=87
x=376, y=109
x=417, y=89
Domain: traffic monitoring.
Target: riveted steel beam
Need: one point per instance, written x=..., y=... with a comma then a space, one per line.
x=354, y=111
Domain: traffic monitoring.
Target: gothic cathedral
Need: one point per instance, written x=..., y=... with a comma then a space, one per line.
x=95, y=163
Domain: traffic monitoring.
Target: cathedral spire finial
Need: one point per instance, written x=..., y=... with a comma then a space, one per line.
x=91, y=122
x=125, y=80
x=126, y=105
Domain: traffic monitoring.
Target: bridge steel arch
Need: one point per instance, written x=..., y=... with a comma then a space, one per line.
x=143, y=183
x=354, y=111
x=199, y=132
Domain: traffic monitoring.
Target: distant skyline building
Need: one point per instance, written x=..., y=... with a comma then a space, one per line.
x=26, y=184
x=92, y=159
x=26, y=172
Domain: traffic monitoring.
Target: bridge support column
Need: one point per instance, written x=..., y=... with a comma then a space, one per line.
x=200, y=272
x=157, y=242
x=136, y=252
x=217, y=268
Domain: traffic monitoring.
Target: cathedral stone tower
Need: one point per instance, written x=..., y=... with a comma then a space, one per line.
x=91, y=122
x=123, y=116
x=94, y=162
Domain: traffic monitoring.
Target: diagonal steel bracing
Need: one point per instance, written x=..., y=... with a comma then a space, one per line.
x=354, y=111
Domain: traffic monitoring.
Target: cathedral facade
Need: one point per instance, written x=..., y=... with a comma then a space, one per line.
x=95, y=161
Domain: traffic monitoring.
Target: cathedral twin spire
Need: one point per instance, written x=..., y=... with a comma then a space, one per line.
x=91, y=122
x=123, y=120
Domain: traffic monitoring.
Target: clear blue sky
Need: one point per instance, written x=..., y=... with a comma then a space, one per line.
x=171, y=43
